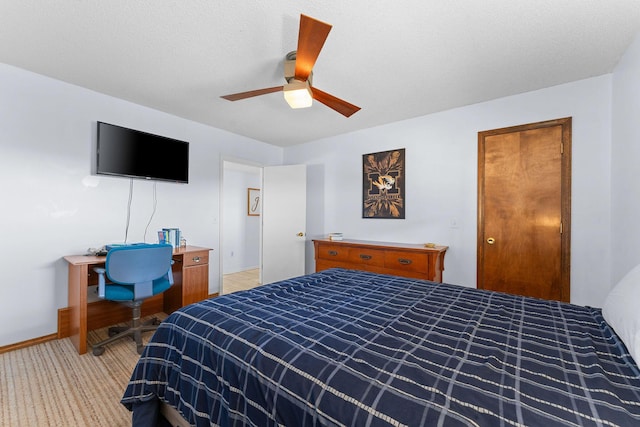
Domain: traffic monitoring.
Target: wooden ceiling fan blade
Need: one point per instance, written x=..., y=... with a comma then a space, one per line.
x=311, y=38
x=341, y=106
x=252, y=93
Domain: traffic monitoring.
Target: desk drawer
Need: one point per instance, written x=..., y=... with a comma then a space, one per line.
x=333, y=252
x=366, y=256
x=196, y=258
x=407, y=261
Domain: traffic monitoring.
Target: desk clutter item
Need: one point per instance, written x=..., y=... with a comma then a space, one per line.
x=172, y=236
x=335, y=236
x=97, y=251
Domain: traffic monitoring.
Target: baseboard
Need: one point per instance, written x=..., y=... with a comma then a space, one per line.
x=28, y=343
x=64, y=331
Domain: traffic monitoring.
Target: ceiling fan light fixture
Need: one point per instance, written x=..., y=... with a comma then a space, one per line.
x=298, y=94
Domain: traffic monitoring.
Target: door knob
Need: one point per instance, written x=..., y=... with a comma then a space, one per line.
x=491, y=240
x=300, y=234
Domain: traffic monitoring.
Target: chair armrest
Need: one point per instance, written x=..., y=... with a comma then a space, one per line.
x=101, y=281
x=170, y=273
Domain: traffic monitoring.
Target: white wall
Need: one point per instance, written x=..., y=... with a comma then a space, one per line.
x=625, y=163
x=441, y=180
x=52, y=206
x=241, y=232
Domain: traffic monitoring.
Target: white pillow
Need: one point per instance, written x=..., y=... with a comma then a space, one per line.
x=622, y=313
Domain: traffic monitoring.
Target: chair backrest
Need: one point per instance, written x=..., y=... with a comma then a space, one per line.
x=138, y=263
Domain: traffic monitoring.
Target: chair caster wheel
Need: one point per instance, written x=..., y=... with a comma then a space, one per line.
x=112, y=332
x=140, y=349
x=97, y=351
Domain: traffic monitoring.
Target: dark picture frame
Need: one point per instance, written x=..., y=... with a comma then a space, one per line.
x=383, y=194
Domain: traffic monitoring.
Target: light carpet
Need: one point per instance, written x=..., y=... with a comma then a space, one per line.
x=50, y=384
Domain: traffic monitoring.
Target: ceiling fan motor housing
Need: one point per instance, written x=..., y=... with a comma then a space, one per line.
x=290, y=68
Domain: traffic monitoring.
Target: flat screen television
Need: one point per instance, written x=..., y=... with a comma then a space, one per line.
x=131, y=153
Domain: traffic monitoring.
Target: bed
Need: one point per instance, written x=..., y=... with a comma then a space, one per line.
x=352, y=348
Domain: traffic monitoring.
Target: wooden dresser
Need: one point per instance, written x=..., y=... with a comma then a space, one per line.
x=399, y=259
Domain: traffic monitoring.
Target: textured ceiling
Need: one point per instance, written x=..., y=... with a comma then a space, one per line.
x=395, y=59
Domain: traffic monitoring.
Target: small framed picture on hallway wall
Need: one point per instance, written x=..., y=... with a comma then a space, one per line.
x=253, y=202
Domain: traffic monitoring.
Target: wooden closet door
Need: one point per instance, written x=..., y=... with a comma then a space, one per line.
x=524, y=209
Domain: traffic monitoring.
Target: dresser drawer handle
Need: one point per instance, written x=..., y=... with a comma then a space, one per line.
x=404, y=261
x=333, y=253
x=196, y=259
x=365, y=256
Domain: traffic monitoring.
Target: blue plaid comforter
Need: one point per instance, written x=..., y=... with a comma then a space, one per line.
x=351, y=348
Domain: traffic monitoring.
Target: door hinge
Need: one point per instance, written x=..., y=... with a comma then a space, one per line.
x=561, y=228
x=562, y=148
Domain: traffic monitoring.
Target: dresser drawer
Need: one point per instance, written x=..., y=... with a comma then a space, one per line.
x=407, y=261
x=333, y=252
x=196, y=258
x=366, y=256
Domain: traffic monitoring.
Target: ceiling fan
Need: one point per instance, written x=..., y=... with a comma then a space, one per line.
x=298, y=73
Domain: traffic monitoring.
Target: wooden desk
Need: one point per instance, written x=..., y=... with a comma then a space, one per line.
x=399, y=259
x=87, y=312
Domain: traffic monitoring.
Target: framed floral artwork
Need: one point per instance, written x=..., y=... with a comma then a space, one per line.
x=383, y=184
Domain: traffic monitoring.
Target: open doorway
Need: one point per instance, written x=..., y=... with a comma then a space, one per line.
x=241, y=226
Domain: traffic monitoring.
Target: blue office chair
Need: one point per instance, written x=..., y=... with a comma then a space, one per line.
x=135, y=273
